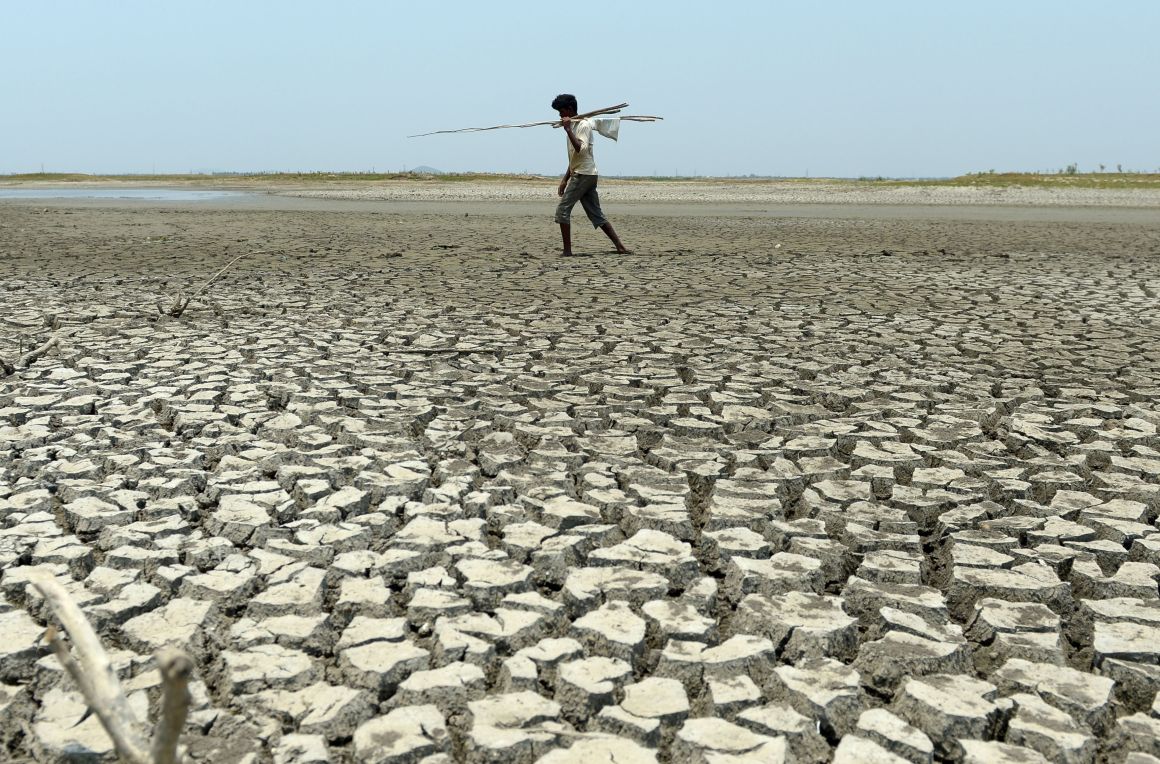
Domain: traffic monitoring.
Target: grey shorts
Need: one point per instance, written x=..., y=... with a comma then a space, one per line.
x=581, y=188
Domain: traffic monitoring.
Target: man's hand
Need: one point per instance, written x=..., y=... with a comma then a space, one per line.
x=563, y=185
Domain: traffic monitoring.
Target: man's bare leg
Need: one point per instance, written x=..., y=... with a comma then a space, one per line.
x=620, y=248
x=566, y=235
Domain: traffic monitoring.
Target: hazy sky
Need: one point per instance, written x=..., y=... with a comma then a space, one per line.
x=890, y=87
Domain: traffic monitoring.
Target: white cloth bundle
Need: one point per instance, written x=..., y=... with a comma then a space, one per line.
x=608, y=127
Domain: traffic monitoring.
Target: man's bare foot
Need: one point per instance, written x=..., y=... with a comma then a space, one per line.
x=623, y=251
x=566, y=253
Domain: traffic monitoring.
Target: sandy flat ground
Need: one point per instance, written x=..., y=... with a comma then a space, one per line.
x=749, y=192
x=404, y=476
x=700, y=199
x=724, y=192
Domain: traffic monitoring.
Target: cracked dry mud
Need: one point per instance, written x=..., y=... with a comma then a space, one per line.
x=411, y=488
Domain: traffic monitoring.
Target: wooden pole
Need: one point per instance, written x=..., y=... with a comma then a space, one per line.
x=554, y=123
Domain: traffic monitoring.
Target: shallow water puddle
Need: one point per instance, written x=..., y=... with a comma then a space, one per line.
x=143, y=194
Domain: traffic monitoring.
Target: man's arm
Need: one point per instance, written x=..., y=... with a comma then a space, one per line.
x=576, y=142
x=564, y=182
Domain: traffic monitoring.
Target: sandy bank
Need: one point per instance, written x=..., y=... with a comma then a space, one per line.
x=763, y=192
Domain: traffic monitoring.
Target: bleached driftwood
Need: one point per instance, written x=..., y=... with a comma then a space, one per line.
x=90, y=667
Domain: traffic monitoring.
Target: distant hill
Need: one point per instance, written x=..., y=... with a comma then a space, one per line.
x=425, y=170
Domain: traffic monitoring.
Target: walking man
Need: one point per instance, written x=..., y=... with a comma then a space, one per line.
x=579, y=182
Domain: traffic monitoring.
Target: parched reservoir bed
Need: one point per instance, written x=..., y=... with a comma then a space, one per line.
x=407, y=484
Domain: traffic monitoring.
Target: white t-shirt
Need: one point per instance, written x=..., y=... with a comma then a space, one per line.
x=581, y=162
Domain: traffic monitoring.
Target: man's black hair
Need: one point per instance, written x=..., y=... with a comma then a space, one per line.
x=564, y=101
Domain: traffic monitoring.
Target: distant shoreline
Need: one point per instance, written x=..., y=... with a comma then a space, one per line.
x=738, y=195
x=1118, y=181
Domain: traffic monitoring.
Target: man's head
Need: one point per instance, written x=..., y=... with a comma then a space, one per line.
x=565, y=104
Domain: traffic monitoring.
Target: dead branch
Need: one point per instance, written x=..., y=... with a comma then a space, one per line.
x=93, y=672
x=29, y=358
x=90, y=667
x=176, y=668
x=223, y=269
x=64, y=657
x=175, y=309
x=178, y=307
